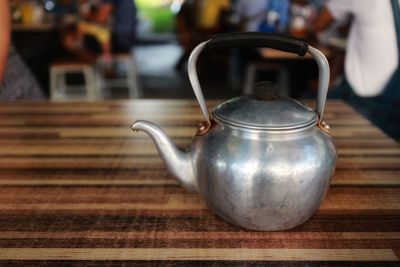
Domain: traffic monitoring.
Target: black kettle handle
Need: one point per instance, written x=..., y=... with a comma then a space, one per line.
x=257, y=39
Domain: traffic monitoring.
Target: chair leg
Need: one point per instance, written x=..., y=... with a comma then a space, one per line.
x=53, y=83
x=134, y=89
x=284, y=81
x=234, y=78
x=249, y=79
x=100, y=83
x=90, y=84
x=62, y=84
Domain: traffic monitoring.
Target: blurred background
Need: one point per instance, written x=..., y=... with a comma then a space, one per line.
x=91, y=50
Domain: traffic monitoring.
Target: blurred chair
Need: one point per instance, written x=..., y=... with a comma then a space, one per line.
x=61, y=91
x=282, y=76
x=121, y=73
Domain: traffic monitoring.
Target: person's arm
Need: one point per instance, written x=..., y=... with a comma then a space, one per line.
x=324, y=20
x=334, y=10
x=104, y=13
x=4, y=36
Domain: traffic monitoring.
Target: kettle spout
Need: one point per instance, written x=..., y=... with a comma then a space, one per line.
x=178, y=161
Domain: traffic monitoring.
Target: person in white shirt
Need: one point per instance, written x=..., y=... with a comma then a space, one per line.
x=250, y=13
x=372, y=75
x=372, y=55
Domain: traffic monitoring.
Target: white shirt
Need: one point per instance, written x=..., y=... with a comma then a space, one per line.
x=251, y=12
x=372, y=53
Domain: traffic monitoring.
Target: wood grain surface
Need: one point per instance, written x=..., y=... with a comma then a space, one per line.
x=79, y=188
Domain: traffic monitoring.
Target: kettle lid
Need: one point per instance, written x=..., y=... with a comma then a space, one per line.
x=264, y=111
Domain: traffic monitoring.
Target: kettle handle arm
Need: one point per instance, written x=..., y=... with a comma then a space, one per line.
x=323, y=79
x=250, y=39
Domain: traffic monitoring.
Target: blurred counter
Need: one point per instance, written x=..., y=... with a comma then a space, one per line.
x=41, y=27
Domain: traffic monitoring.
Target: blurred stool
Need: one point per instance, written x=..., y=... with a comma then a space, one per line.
x=120, y=73
x=282, y=76
x=61, y=91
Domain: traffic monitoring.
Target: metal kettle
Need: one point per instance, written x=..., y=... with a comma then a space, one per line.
x=262, y=163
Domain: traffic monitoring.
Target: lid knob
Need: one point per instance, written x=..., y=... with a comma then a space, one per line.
x=265, y=90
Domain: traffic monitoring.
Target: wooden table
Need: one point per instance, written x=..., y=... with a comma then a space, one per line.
x=33, y=27
x=76, y=184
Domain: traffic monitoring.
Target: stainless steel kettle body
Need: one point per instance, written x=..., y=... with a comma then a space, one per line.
x=253, y=171
x=264, y=181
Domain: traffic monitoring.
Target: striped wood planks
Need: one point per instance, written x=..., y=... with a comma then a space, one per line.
x=78, y=188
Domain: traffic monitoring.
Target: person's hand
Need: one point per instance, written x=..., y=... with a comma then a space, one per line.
x=106, y=61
